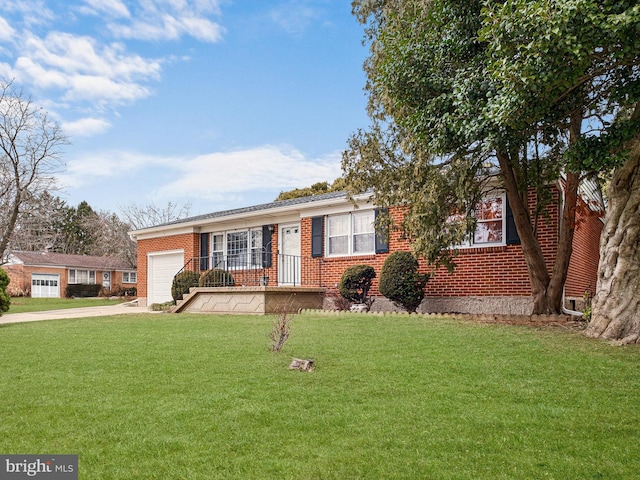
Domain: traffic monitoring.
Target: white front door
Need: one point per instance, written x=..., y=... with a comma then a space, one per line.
x=289, y=257
x=106, y=280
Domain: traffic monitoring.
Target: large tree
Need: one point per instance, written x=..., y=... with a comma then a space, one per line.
x=29, y=156
x=581, y=58
x=435, y=144
x=461, y=90
x=144, y=216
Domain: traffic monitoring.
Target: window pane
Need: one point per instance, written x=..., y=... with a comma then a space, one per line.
x=237, y=249
x=256, y=239
x=489, y=209
x=338, y=225
x=363, y=222
x=364, y=243
x=339, y=245
x=217, y=260
x=488, y=232
x=217, y=243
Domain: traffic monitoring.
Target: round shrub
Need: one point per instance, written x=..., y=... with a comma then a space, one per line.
x=5, y=301
x=216, y=277
x=182, y=282
x=401, y=282
x=356, y=282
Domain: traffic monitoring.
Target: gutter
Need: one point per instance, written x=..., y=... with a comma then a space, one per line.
x=566, y=311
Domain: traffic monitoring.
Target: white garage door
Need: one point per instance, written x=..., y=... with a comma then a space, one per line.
x=162, y=266
x=45, y=285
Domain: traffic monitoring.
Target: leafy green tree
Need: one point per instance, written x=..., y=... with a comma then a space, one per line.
x=5, y=301
x=449, y=115
x=565, y=61
x=315, y=189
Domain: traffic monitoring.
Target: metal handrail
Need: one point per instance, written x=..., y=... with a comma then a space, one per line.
x=258, y=270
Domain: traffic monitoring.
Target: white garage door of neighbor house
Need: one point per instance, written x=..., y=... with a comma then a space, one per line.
x=45, y=285
x=162, y=267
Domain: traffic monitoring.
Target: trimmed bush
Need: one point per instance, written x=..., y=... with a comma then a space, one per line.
x=182, y=282
x=5, y=301
x=401, y=282
x=356, y=282
x=80, y=290
x=216, y=277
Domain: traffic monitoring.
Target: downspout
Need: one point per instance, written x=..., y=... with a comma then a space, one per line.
x=566, y=311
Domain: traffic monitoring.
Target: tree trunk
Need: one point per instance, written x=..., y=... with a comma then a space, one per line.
x=616, y=304
x=536, y=267
x=565, y=242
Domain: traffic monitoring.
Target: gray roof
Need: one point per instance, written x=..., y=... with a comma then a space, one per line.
x=256, y=208
x=72, y=261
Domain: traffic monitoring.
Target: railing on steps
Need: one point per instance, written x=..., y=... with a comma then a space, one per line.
x=257, y=269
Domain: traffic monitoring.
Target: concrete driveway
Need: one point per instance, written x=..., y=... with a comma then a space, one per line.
x=123, y=308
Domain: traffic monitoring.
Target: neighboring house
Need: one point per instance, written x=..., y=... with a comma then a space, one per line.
x=311, y=241
x=47, y=274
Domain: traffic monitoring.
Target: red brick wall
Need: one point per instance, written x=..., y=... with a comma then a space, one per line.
x=189, y=242
x=20, y=276
x=480, y=271
x=583, y=269
x=488, y=271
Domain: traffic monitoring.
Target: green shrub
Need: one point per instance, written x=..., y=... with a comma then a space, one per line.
x=81, y=290
x=216, y=277
x=182, y=282
x=5, y=301
x=401, y=282
x=356, y=282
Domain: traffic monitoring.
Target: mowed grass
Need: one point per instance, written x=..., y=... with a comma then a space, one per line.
x=28, y=304
x=394, y=397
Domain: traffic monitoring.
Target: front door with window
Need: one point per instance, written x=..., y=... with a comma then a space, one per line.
x=106, y=280
x=289, y=258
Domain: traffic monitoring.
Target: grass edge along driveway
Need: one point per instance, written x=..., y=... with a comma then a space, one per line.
x=201, y=397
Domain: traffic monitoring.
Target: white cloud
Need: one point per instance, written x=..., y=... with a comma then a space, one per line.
x=84, y=69
x=6, y=32
x=266, y=167
x=171, y=20
x=216, y=177
x=112, y=8
x=293, y=17
x=86, y=127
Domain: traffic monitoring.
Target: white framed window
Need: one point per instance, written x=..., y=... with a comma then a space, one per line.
x=490, y=221
x=217, y=250
x=351, y=234
x=491, y=217
x=241, y=249
x=129, y=277
x=85, y=277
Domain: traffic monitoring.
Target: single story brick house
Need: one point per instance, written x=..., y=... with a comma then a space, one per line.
x=310, y=241
x=47, y=274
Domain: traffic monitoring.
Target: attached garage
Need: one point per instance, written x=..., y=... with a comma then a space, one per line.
x=162, y=267
x=45, y=285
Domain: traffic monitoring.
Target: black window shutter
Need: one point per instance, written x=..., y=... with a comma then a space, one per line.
x=316, y=236
x=382, y=242
x=512, y=237
x=204, y=251
x=266, y=245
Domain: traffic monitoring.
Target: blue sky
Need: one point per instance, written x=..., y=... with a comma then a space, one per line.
x=218, y=103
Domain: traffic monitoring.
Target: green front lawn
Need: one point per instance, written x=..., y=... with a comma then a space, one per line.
x=28, y=304
x=396, y=397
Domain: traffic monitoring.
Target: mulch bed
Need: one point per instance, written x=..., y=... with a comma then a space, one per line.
x=566, y=322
